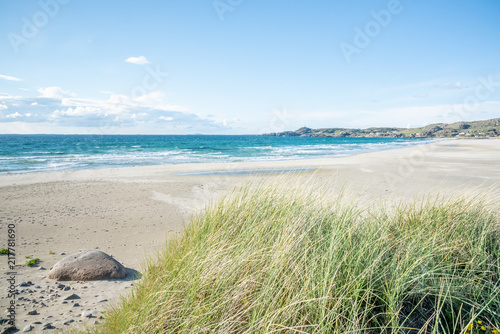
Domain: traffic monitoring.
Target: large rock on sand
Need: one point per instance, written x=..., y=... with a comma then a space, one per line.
x=87, y=266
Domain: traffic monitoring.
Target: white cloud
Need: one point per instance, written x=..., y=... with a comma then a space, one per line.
x=151, y=98
x=456, y=85
x=3, y=106
x=138, y=60
x=8, y=77
x=117, y=114
x=54, y=92
x=77, y=111
x=14, y=115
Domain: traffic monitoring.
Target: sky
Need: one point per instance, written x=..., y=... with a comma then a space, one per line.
x=245, y=67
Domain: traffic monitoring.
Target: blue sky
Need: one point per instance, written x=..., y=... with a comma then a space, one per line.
x=244, y=67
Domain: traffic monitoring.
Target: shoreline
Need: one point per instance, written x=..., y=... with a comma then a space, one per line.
x=151, y=157
x=78, y=174
x=130, y=212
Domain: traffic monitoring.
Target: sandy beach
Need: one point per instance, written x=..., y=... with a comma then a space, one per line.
x=130, y=212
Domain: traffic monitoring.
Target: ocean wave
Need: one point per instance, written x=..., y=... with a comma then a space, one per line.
x=77, y=152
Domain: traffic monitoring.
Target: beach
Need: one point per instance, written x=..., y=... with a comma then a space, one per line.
x=130, y=212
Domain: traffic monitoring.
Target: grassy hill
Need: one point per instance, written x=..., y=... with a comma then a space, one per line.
x=284, y=260
x=482, y=129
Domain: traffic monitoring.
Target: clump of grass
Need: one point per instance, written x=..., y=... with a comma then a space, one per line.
x=32, y=262
x=4, y=251
x=274, y=260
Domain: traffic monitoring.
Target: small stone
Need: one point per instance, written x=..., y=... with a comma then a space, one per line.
x=68, y=322
x=9, y=329
x=62, y=254
x=33, y=312
x=86, y=314
x=72, y=296
x=103, y=301
x=66, y=288
x=47, y=325
x=41, y=268
x=23, y=284
x=28, y=328
x=76, y=305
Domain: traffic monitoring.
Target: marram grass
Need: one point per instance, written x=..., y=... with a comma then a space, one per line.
x=268, y=259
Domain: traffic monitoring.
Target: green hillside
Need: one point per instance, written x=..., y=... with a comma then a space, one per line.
x=476, y=129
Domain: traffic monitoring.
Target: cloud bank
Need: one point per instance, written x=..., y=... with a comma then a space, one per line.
x=60, y=111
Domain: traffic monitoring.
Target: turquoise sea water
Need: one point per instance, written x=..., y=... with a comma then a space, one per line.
x=35, y=153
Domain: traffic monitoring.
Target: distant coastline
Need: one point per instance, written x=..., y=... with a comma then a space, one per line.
x=476, y=129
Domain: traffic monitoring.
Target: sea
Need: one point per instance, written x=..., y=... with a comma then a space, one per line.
x=43, y=153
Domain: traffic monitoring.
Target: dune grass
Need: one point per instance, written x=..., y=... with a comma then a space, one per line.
x=267, y=259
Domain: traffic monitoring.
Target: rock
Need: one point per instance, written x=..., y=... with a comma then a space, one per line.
x=69, y=322
x=47, y=325
x=76, y=305
x=23, y=284
x=72, y=296
x=41, y=268
x=34, y=312
x=9, y=329
x=87, y=266
x=28, y=328
x=86, y=314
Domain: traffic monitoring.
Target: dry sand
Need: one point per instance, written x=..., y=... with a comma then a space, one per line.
x=129, y=212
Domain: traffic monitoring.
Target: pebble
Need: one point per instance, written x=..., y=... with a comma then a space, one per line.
x=86, y=314
x=47, y=325
x=72, y=296
x=34, y=312
x=28, y=328
x=9, y=329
